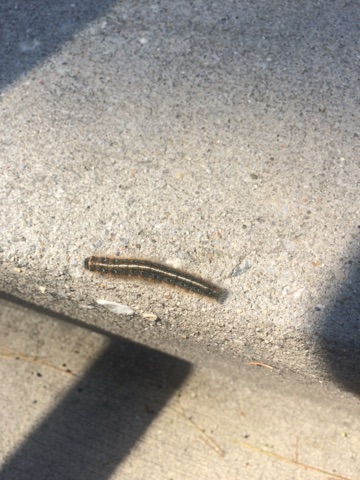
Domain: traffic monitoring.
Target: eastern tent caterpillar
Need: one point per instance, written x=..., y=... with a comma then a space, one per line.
x=156, y=271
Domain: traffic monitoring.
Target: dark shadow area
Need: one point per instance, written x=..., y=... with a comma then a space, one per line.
x=340, y=331
x=31, y=31
x=101, y=418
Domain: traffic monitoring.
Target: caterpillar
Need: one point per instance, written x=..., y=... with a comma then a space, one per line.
x=149, y=269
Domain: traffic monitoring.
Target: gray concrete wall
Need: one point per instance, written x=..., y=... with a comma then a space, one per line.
x=222, y=138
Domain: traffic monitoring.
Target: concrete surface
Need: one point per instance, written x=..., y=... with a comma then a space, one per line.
x=220, y=137
x=78, y=404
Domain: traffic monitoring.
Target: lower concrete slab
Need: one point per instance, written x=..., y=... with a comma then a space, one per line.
x=79, y=404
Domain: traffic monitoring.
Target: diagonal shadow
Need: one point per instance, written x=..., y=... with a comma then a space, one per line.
x=339, y=339
x=101, y=418
x=30, y=31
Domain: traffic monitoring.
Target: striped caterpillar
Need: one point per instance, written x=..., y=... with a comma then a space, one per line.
x=148, y=269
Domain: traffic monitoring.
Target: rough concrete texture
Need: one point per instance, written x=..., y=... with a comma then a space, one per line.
x=222, y=137
x=77, y=404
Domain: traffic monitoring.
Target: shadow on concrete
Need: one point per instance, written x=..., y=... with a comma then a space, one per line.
x=31, y=31
x=96, y=424
x=340, y=332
